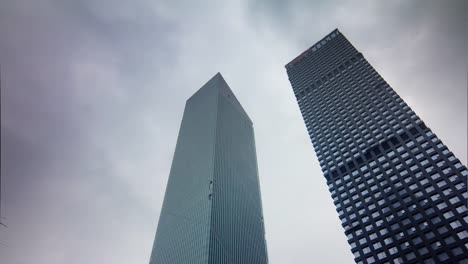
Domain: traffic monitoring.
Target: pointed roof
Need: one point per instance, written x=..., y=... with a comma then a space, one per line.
x=219, y=84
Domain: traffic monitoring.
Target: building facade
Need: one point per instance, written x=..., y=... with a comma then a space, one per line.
x=401, y=195
x=212, y=210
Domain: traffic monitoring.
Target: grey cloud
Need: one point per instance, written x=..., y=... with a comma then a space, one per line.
x=66, y=114
x=93, y=94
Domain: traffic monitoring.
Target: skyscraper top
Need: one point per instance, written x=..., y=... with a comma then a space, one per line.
x=314, y=47
x=218, y=82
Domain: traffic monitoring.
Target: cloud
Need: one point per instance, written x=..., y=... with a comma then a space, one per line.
x=93, y=94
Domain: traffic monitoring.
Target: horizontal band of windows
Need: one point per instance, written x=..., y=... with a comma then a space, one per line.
x=376, y=151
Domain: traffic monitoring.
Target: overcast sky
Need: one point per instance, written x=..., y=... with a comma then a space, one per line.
x=93, y=93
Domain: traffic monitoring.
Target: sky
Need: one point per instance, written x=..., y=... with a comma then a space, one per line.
x=93, y=93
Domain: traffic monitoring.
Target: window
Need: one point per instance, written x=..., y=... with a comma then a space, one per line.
x=417, y=240
x=461, y=209
x=462, y=234
x=435, y=220
x=429, y=235
x=454, y=200
x=449, y=240
x=377, y=245
x=381, y=255
x=442, y=205
x=455, y=224
x=356, y=254
x=460, y=186
x=441, y=184
x=410, y=256
x=457, y=251
x=429, y=189
x=443, y=256
x=442, y=230
x=423, y=251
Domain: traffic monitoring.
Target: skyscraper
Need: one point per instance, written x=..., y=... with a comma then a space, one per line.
x=212, y=209
x=400, y=194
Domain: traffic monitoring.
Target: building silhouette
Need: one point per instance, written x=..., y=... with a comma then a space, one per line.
x=400, y=194
x=212, y=209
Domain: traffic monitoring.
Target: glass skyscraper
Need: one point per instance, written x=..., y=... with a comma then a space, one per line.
x=400, y=193
x=212, y=209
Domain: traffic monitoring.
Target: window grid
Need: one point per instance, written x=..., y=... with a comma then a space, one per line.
x=399, y=192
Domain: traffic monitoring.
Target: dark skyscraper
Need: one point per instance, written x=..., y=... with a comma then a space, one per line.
x=400, y=193
x=212, y=210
